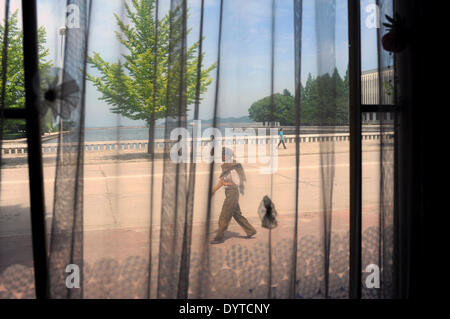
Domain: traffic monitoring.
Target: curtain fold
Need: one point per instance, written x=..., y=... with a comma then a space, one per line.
x=387, y=129
x=174, y=187
x=66, y=241
x=325, y=14
x=378, y=239
x=5, y=33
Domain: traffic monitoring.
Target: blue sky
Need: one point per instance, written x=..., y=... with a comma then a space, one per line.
x=246, y=48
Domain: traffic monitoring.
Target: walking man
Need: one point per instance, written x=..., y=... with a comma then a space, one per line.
x=232, y=178
x=281, y=139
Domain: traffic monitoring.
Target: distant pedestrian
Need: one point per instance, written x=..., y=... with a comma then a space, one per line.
x=233, y=178
x=281, y=139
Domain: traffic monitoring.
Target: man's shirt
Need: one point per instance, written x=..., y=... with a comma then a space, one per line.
x=232, y=177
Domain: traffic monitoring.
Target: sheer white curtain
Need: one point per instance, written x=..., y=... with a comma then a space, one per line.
x=139, y=224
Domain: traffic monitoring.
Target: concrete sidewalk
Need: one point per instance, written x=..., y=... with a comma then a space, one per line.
x=117, y=207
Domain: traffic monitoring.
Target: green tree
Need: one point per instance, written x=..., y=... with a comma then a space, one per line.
x=308, y=102
x=260, y=111
x=324, y=101
x=342, y=98
x=133, y=86
x=15, y=79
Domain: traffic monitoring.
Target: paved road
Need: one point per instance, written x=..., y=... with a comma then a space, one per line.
x=117, y=197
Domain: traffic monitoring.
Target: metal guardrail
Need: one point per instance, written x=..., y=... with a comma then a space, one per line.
x=142, y=145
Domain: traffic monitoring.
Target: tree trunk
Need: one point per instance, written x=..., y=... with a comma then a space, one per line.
x=151, y=136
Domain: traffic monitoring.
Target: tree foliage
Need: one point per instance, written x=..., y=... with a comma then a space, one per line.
x=15, y=78
x=324, y=101
x=134, y=86
x=260, y=111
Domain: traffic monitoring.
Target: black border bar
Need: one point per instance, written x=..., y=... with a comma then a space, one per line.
x=37, y=204
x=14, y=113
x=381, y=108
x=354, y=37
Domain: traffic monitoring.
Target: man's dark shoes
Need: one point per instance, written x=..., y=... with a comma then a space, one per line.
x=251, y=235
x=217, y=241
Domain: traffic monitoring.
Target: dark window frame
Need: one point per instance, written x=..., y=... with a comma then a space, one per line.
x=357, y=110
x=33, y=128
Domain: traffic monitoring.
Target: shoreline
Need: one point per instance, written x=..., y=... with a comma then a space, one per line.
x=45, y=137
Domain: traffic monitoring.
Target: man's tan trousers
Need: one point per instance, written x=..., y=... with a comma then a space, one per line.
x=230, y=209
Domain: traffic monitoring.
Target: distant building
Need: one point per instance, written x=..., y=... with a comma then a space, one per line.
x=370, y=94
